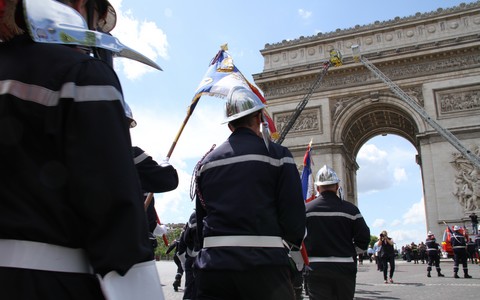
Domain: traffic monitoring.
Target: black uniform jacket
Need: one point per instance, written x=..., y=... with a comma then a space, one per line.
x=334, y=228
x=154, y=178
x=67, y=175
x=248, y=190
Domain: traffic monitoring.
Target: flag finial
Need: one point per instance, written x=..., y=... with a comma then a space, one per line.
x=224, y=47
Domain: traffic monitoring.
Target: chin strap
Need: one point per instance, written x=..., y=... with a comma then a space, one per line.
x=265, y=132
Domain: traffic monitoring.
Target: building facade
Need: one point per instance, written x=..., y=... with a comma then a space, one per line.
x=433, y=57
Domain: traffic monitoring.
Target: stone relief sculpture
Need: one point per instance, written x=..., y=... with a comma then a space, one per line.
x=466, y=183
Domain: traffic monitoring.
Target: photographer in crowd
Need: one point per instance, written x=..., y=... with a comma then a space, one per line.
x=387, y=255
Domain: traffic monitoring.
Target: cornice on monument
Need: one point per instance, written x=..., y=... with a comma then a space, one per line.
x=358, y=29
x=441, y=28
x=396, y=68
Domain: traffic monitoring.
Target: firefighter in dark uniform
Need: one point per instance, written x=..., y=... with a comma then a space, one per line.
x=189, y=247
x=433, y=252
x=459, y=246
x=178, y=276
x=335, y=228
x=71, y=202
x=154, y=178
x=249, y=199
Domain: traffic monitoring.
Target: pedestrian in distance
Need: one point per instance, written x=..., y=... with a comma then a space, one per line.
x=474, y=219
x=249, y=201
x=433, y=252
x=387, y=255
x=335, y=229
x=71, y=206
x=472, y=251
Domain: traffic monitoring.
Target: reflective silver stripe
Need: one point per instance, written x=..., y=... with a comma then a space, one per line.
x=243, y=241
x=331, y=259
x=140, y=158
x=44, y=96
x=192, y=253
x=334, y=214
x=42, y=256
x=456, y=247
x=249, y=157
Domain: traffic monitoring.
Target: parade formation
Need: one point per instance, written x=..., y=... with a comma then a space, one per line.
x=77, y=208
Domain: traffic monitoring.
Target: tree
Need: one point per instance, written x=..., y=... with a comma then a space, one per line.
x=173, y=233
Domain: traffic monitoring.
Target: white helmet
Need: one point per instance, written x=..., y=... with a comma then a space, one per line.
x=326, y=176
x=430, y=233
x=241, y=102
x=456, y=228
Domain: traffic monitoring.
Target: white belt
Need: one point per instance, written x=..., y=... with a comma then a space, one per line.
x=331, y=259
x=42, y=256
x=243, y=241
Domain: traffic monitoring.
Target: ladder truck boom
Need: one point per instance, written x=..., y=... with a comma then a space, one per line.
x=452, y=139
x=335, y=60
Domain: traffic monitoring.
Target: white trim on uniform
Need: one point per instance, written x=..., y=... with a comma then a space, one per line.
x=249, y=157
x=334, y=214
x=41, y=256
x=139, y=158
x=331, y=259
x=243, y=241
x=46, y=97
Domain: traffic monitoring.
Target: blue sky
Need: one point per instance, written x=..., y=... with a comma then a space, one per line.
x=183, y=36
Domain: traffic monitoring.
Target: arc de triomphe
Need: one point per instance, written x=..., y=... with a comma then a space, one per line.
x=434, y=57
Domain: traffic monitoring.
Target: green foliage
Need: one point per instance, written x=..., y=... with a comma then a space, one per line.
x=373, y=240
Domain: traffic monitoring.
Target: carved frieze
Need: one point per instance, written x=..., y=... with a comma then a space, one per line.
x=394, y=72
x=458, y=101
x=309, y=121
x=467, y=180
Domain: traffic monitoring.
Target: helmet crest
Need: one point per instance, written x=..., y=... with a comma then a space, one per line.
x=326, y=176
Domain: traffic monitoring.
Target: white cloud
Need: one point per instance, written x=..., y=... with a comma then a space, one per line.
x=396, y=222
x=416, y=213
x=378, y=223
x=142, y=36
x=400, y=175
x=304, y=14
x=403, y=237
x=374, y=174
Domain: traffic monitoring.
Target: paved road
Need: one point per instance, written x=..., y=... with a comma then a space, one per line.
x=410, y=279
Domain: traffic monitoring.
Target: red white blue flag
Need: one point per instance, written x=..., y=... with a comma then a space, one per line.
x=308, y=186
x=221, y=76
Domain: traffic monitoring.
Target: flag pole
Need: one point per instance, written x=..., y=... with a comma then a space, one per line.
x=187, y=117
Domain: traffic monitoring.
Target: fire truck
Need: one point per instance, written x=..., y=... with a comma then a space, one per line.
x=447, y=250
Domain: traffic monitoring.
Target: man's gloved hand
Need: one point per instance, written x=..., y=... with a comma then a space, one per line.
x=298, y=259
x=160, y=230
x=165, y=163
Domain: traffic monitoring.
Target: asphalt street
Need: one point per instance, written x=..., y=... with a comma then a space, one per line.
x=410, y=282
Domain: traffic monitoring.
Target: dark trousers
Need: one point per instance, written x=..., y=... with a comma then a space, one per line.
x=331, y=285
x=23, y=284
x=262, y=283
x=190, y=287
x=385, y=261
x=460, y=257
x=434, y=259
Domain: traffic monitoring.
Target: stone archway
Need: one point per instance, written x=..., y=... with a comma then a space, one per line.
x=434, y=57
x=361, y=119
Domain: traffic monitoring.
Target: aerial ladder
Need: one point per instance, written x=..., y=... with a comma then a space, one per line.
x=335, y=60
x=452, y=139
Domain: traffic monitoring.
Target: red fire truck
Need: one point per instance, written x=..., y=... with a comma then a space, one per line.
x=447, y=249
